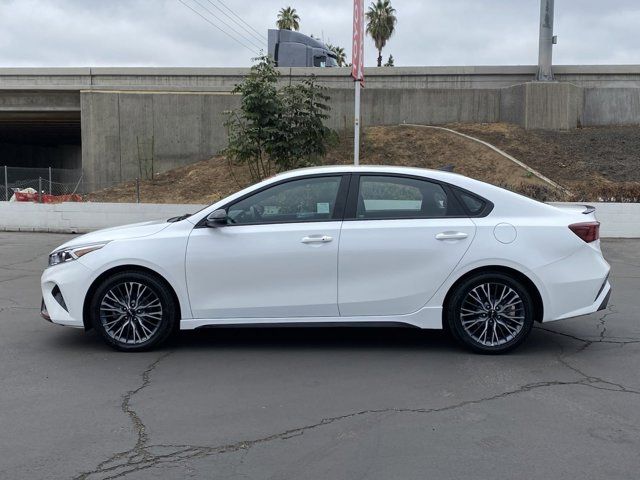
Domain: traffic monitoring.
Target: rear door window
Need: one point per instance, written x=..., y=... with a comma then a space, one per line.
x=391, y=197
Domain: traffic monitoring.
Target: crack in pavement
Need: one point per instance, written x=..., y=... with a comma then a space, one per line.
x=595, y=382
x=140, y=429
x=14, y=278
x=23, y=262
x=142, y=456
x=602, y=338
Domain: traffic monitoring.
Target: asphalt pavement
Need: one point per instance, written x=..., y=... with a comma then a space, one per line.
x=317, y=403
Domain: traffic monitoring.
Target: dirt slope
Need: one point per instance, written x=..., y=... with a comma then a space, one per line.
x=209, y=180
x=594, y=163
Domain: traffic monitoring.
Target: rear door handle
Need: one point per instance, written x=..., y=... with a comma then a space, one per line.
x=317, y=239
x=451, y=236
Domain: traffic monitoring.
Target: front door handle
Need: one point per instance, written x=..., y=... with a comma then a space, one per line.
x=451, y=236
x=317, y=239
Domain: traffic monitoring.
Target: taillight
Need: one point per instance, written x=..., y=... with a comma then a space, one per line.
x=587, y=231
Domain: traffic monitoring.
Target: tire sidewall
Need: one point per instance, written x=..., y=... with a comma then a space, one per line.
x=455, y=304
x=158, y=287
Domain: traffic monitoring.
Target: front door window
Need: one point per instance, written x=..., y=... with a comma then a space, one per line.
x=304, y=200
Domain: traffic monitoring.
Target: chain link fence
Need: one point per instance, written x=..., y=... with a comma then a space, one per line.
x=44, y=181
x=66, y=184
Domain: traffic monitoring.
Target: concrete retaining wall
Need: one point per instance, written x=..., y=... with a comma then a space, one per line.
x=122, y=132
x=542, y=105
x=181, y=128
x=619, y=220
x=611, y=106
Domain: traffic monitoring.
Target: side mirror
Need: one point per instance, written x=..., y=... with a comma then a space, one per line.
x=217, y=218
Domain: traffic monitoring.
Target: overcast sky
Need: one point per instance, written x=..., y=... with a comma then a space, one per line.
x=429, y=32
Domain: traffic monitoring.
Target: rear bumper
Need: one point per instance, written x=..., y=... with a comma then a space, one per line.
x=600, y=303
x=575, y=285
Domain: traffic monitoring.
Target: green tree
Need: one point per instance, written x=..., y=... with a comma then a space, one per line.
x=381, y=23
x=256, y=123
x=389, y=62
x=341, y=57
x=303, y=137
x=288, y=19
x=277, y=129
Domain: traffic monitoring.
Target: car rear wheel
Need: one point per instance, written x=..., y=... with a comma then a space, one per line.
x=490, y=313
x=133, y=311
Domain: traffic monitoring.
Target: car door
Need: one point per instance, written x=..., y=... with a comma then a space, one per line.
x=277, y=255
x=402, y=236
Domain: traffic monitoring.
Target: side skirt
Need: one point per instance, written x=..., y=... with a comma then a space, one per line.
x=427, y=317
x=312, y=325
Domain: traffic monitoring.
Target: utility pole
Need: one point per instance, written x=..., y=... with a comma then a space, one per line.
x=546, y=42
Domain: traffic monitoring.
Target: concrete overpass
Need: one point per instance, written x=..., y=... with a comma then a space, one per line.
x=112, y=121
x=223, y=79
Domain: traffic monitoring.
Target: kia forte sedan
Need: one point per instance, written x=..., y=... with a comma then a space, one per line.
x=338, y=246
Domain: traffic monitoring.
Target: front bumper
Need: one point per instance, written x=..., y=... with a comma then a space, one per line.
x=43, y=311
x=605, y=302
x=64, y=288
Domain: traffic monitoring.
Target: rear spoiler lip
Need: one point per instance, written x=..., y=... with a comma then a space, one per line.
x=588, y=209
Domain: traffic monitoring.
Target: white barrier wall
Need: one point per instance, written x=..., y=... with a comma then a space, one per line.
x=617, y=220
x=621, y=220
x=82, y=217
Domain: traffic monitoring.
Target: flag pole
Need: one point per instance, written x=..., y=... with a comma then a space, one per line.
x=357, y=72
x=356, y=126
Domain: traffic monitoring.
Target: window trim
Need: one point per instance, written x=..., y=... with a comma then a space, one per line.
x=450, y=190
x=486, y=210
x=338, y=210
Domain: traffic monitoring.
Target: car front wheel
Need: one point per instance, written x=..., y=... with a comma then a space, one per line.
x=490, y=313
x=133, y=311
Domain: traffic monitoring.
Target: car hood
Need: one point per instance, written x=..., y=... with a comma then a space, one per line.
x=134, y=230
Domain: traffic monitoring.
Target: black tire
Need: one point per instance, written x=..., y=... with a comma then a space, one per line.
x=468, y=327
x=160, y=320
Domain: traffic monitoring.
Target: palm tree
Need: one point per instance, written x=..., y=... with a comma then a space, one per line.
x=288, y=19
x=381, y=22
x=341, y=57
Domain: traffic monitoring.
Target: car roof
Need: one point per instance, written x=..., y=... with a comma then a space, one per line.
x=423, y=172
x=499, y=196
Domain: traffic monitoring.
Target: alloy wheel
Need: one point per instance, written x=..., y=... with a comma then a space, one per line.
x=131, y=313
x=492, y=314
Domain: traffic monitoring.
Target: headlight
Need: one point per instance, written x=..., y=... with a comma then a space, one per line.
x=72, y=253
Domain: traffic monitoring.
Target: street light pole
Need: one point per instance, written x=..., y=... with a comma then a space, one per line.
x=546, y=41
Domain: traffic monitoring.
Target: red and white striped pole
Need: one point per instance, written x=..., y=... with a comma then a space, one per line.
x=357, y=71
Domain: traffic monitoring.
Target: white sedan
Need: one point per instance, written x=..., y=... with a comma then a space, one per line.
x=338, y=246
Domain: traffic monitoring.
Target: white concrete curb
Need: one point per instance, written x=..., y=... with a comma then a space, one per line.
x=619, y=220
